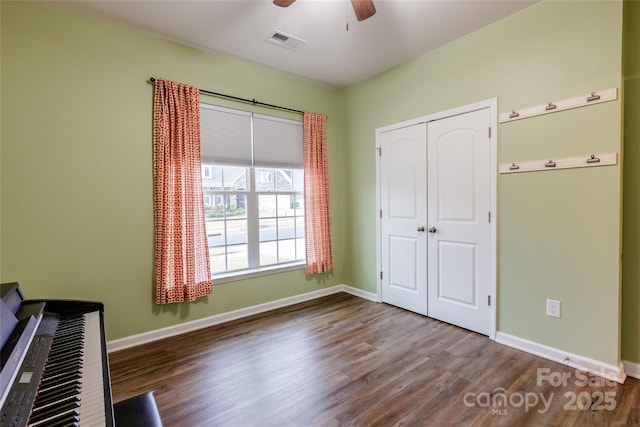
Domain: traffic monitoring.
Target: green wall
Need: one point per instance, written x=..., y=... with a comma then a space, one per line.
x=0, y=141
x=76, y=187
x=77, y=213
x=558, y=232
x=631, y=238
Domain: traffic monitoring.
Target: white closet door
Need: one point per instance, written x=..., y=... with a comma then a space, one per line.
x=403, y=192
x=459, y=232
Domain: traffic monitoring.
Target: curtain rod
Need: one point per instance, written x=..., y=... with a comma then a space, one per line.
x=235, y=98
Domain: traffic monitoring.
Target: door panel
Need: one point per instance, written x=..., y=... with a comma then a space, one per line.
x=403, y=176
x=457, y=273
x=459, y=197
x=456, y=179
x=403, y=205
x=403, y=269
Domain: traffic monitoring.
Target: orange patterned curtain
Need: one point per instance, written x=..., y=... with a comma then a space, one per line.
x=182, y=252
x=316, y=195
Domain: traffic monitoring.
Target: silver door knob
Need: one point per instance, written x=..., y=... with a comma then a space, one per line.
x=420, y=229
x=432, y=230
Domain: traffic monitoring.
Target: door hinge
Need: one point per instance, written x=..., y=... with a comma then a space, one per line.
x=381, y=275
x=488, y=299
x=380, y=213
x=489, y=131
x=489, y=217
x=379, y=151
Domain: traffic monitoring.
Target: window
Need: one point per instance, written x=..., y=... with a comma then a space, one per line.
x=264, y=176
x=252, y=181
x=206, y=171
x=207, y=200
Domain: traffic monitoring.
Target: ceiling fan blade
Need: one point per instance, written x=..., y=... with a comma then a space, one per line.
x=364, y=9
x=283, y=3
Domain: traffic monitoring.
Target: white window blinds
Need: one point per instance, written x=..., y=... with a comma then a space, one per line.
x=226, y=138
x=277, y=143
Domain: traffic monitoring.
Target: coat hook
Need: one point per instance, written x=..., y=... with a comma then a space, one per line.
x=514, y=167
x=550, y=164
x=593, y=97
x=550, y=106
x=514, y=114
x=593, y=159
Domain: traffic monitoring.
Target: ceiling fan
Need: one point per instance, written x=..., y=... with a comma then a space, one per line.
x=364, y=9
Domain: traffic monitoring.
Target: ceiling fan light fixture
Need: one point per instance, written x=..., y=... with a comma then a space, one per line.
x=283, y=3
x=364, y=9
x=285, y=40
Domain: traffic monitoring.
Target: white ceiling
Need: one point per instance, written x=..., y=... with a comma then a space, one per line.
x=399, y=31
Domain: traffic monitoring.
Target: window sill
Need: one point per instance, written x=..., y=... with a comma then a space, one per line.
x=263, y=271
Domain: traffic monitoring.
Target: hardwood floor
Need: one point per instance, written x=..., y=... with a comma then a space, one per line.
x=344, y=361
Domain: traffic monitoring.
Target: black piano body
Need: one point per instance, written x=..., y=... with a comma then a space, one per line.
x=54, y=363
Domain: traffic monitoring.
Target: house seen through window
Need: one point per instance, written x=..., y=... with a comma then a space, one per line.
x=252, y=183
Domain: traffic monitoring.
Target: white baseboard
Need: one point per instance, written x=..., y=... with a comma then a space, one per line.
x=615, y=373
x=169, y=331
x=612, y=372
x=632, y=369
x=360, y=293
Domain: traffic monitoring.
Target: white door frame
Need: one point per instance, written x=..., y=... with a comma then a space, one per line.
x=492, y=105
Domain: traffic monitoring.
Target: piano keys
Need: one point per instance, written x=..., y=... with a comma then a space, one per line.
x=55, y=368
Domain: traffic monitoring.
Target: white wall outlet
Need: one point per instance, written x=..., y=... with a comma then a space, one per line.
x=553, y=308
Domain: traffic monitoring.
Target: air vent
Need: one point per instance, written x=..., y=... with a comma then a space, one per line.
x=277, y=37
x=285, y=40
